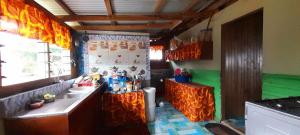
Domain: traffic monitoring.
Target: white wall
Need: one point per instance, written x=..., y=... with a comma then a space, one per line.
x=281, y=35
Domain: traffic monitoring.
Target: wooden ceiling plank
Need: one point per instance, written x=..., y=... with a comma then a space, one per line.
x=109, y=10
x=160, y=4
x=108, y=7
x=188, y=9
x=65, y=7
x=175, y=24
x=125, y=27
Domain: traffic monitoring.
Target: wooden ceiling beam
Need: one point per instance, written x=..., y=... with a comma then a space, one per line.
x=125, y=27
x=179, y=16
x=188, y=23
x=160, y=4
x=109, y=10
x=65, y=7
x=188, y=10
x=175, y=24
x=108, y=7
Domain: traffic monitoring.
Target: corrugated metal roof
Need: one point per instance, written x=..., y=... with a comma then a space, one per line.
x=203, y=4
x=97, y=7
x=133, y=6
x=175, y=6
x=52, y=7
x=87, y=7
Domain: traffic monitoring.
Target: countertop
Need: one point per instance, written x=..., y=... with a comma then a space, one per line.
x=63, y=105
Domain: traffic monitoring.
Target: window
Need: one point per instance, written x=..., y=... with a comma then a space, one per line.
x=59, y=61
x=156, y=52
x=24, y=60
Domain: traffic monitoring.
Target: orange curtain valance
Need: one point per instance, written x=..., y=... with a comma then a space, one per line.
x=33, y=23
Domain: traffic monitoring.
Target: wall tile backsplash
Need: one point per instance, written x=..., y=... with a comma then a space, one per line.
x=123, y=52
x=11, y=105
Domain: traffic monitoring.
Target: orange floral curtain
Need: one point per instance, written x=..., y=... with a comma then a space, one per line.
x=122, y=109
x=195, y=101
x=33, y=23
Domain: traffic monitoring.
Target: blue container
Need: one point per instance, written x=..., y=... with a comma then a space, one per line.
x=182, y=79
x=122, y=81
x=110, y=83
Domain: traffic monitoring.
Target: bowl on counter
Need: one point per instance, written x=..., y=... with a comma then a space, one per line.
x=36, y=104
x=49, y=97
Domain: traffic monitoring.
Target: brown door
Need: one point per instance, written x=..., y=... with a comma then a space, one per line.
x=241, y=63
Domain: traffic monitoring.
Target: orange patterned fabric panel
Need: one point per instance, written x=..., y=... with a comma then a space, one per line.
x=196, y=102
x=186, y=52
x=33, y=23
x=120, y=109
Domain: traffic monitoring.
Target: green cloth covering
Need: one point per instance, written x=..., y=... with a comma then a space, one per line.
x=274, y=85
x=279, y=86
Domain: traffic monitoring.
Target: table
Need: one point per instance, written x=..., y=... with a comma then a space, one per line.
x=126, y=108
x=195, y=101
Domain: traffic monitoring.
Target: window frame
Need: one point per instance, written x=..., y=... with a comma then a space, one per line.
x=162, y=53
x=50, y=62
x=29, y=85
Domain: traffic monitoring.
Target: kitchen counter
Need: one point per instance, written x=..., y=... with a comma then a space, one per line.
x=63, y=105
x=66, y=116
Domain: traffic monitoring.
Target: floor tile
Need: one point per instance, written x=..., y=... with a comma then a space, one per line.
x=169, y=121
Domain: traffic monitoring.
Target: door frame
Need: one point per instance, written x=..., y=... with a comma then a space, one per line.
x=223, y=60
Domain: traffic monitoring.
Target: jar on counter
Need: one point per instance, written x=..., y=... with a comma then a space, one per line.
x=129, y=86
x=138, y=85
x=116, y=87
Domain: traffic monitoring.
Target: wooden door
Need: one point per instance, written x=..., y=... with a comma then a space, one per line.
x=241, y=63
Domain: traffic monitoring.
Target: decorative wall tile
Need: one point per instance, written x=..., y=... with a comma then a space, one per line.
x=102, y=52
x=11, y=105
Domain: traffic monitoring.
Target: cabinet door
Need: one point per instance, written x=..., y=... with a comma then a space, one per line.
x=84, y=119
x=52, y=125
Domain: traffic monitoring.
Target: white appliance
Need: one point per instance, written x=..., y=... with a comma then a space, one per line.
x=273, y=117
x=150, y=103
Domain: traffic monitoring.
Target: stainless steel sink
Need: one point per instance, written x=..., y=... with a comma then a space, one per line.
x=74, y=95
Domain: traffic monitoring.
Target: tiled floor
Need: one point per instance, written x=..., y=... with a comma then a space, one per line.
x=169, y=121
x=237, y=123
